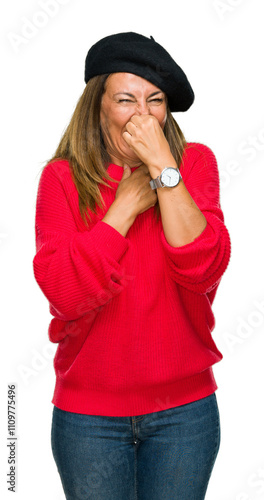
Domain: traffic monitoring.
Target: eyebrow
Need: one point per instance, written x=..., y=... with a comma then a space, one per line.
x=131, y=95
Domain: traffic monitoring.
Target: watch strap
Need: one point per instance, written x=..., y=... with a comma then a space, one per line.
x=156, y=183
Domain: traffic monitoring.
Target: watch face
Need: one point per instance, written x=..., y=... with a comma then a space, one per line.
x=170, y=177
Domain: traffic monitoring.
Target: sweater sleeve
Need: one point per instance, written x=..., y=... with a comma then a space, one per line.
x=200, y=264
x=76, y=271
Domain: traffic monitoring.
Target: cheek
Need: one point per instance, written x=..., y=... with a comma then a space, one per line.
x=162, y=120
x=161, y=115
x=121, y=119
x=115, y=121
x=103, y=119
x=123, y=116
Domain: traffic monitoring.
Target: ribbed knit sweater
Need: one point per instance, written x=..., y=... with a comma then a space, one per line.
x=132, y=315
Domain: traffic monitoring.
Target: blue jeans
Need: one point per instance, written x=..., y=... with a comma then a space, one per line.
x=167, y=455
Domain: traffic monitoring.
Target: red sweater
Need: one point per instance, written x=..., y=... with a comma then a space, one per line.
x=132, y=315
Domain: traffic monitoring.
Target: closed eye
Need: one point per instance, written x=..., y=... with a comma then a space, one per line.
x=129, y=100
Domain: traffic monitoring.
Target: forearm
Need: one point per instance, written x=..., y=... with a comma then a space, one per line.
x=182, y=220
x=118, y=219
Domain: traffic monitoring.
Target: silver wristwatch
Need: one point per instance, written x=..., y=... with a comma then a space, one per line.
x=169, y=177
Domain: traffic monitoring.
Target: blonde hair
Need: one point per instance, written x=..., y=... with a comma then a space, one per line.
x=83, y=146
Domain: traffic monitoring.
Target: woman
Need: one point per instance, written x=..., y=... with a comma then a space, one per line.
x=131, y=247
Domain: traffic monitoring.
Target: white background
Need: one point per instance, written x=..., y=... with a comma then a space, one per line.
x=220, y=46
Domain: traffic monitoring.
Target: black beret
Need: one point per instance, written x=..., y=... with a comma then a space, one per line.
x=142, y=56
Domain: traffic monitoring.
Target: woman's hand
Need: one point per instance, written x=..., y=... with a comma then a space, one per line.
x=134, y=194
x=145, y=136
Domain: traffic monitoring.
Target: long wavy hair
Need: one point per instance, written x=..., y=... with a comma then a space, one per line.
x=83, y=146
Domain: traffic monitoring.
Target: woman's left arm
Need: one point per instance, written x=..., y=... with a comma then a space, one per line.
x=195, y=239
x=200, y=264
x=182, y=220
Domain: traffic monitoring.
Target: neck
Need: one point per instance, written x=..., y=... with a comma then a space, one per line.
x=130, y=162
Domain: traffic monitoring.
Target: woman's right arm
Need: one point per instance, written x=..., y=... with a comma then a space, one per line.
x=76, y=271
x=118, y=219
x=133, y=196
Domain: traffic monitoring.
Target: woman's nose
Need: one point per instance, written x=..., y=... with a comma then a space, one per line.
x=143, y=108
